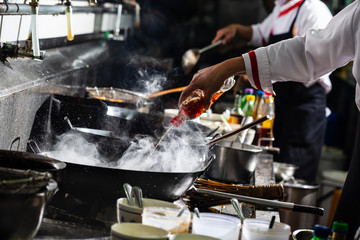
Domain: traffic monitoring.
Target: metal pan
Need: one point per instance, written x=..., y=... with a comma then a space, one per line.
x=93, y=183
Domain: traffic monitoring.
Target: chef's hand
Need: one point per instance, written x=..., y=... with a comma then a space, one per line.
x=211, y=79
x=229, y=32
x=225, y=34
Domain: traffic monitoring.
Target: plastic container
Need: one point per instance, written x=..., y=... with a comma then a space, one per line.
x=217, y=225
x=258, y=229
x=167, y=218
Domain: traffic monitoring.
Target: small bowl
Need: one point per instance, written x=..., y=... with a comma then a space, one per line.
x=128, y=213
x=125, y=231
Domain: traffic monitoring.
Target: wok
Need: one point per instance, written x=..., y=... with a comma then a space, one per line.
x=92, y=183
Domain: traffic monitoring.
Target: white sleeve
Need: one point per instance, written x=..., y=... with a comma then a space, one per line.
x=261, y=31
x=305, y=58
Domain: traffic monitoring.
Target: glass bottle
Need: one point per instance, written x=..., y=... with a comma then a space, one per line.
x=340, y=230
x=264, y=130
x=193, y=105
x=236, y=114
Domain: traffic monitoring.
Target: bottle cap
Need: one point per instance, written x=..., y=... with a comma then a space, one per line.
x=340, y=227
x=268, y=94
x=321, y=231
x=250, y=98
x=260, y=93
x=249, y=90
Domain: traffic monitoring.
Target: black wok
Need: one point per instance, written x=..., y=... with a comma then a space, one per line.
x=25, y=161
x=93, y=183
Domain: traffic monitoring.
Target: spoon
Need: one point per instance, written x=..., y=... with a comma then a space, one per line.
x=197, y=212
x=129, y=193
x=182, y=211
x=191, y=56
x=238, y=209
x=138, y=196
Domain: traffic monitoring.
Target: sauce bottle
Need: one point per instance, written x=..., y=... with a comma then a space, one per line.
x=236, y=113
x=193, y=105
x=340, y=230
x=321, y=232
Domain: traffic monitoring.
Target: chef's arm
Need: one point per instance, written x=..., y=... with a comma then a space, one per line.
x=306, y=58
x=211, y=79
x=229, y=32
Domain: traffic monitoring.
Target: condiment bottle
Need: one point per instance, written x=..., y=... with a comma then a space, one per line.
x=193, y=105
x=249, y=105
x=258, y=101
x=264, y=130
x=248, y=91
x=321, y=232
x=236, y=114
x=340, y=230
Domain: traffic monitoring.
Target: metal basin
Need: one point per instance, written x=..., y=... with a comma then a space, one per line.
x=235, y=162
x=21, y=214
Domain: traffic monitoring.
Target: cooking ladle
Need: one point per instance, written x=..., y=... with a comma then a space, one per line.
x=236, y=205
x=191, y=56
x=249, y=125
x=129, y=193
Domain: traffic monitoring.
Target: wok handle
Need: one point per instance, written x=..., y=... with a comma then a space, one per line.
x=308, y=209
x=286, y=206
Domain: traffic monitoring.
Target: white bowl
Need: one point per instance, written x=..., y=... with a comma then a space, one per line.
x=217, y=225
x=128, y=213
x=124, y=231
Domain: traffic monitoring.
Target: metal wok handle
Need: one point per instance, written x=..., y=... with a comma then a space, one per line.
x=253, y=123
x=286, y=206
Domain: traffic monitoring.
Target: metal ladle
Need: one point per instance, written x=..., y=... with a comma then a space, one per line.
x=129, y=193
x=191, y=56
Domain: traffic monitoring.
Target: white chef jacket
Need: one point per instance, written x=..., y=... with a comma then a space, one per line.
x=312, y=14
x=317, y=52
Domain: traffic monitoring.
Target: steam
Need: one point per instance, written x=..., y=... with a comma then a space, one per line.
x=73, y=148
x=182, y=150
x=176, y=153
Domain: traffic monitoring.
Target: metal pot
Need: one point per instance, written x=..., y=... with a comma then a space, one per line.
x=284, y=171
x=235, y=162
x=301, y=193
x=21, y=214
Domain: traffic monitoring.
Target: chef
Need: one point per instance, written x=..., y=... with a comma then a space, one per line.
x=301, y=59
x=300, y=121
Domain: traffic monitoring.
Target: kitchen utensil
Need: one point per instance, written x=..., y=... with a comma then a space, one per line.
x=234, y=163
x=284, y=171
x=138, y=196
x=167, y=218
x=272, y=221
x=197, y=212
x=303, y=234
x=236, y=205
x=129, y=193
x=249, y=125
x=191, y=57
x=21, y=214
x=181, y=211
x=286, y=206
x=132, y=231
x=132, y=213
x=82, y=181
x=217, y=225
x=164, y=92
x=258, y=229
x=21, y=181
